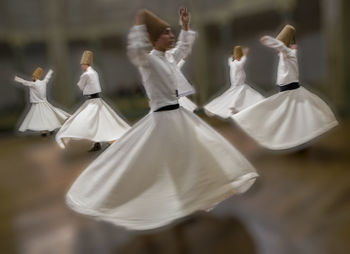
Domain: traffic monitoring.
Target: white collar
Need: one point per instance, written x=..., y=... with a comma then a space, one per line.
x=157, y=52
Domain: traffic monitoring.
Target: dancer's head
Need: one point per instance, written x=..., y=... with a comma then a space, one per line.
x=159, y=31
x=287, y=35
x=37, y=73
x=237, y=52
x=86, y=60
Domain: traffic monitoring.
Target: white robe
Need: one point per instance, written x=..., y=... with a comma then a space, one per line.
x=184, y=101
x=42, y=116
x=168, y=165
x=89, y=82
x=238, y=97
x=187, y=104
x=95, y=120
x=290, y=118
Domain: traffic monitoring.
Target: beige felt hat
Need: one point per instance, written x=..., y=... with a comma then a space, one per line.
x=237, y=52
x=37, y=73
x=87, y=57
x=155, y=25
x=287, y=34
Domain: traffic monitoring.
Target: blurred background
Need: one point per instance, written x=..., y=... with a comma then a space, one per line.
x=301, y=202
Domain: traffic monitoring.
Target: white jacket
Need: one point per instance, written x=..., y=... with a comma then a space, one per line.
x=287, y=71
x=89, y=82
x=160, y=74
x=237, y=73
x=37, y=89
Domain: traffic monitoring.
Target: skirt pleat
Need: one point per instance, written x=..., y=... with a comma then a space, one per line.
x=287, y=119
x=167, y=166
x=94, y=121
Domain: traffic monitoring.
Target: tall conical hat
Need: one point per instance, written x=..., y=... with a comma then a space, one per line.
x=287, y=34
x=155, y=25
x=37, y=73
x=87, y=57
x=237, y=52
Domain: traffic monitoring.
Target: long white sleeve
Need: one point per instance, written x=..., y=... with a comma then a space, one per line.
x=138, y=45
x=24, y=82
x=242, y=61
x=181, y=63
x=37, y=89
x=276, y=44
x=48, y=76
x=183, y=45
x=287, y=71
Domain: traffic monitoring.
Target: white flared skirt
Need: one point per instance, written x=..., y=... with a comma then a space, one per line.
x=42, y=116
x=167, y=166
x=187, y=104
x=94, y=121
x=232, y=101
x=287, y=119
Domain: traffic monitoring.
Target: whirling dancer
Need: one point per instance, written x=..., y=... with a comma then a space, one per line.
x=94, y=120
x=240, y=95
x=183, y=100
x=293, y=116
x=42, y=116
x=170, y=163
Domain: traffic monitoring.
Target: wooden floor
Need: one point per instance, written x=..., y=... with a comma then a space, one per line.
x=300, y=204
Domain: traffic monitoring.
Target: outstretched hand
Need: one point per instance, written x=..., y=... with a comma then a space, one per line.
x=245, y=51
x=185, y=18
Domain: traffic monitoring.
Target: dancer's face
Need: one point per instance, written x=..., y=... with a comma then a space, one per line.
x=165, y=40
x=84, y=67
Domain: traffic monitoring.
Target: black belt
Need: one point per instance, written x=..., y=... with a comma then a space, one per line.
x=168, y=107
x=291, y=86
x=93, y=96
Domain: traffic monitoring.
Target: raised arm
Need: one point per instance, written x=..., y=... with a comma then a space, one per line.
x=243, y=59
x=181, y=63
x=23, y=82
x=274, y=43
x=186, y=37
x=240, y=62
x=48, y=75
x=138, y=43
